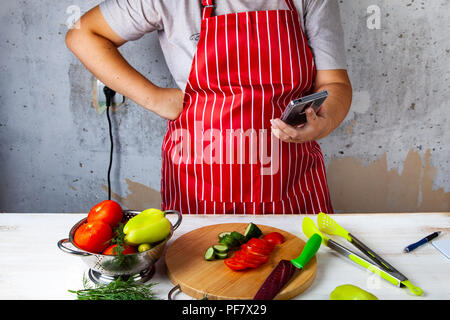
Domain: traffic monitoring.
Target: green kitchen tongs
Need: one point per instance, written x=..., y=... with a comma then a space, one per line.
x=379, y=267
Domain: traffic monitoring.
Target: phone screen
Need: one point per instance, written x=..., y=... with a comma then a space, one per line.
x=295, y=113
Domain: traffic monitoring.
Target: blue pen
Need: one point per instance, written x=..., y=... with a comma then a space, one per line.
x=428, y=238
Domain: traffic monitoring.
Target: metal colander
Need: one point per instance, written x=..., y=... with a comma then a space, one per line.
x=130, y=264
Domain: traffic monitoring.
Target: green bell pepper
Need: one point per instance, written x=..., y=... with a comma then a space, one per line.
x=149, y=226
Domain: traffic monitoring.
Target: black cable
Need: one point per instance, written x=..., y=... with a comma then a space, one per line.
x=109, y=94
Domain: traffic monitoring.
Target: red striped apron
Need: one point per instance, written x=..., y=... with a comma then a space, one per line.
x=219, y=156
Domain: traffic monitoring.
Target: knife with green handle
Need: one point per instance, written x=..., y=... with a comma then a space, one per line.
x=285, y=269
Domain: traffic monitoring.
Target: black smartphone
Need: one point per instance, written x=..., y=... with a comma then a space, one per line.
x=295, y=112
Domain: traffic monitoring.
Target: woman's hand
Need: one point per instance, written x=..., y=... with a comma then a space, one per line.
x=167, y=102
x=328, y=117
x=318, y=125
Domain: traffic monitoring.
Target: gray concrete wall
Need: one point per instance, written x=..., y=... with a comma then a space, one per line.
x=390, y=154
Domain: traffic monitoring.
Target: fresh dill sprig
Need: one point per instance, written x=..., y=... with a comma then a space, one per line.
x=116, y=290
x=119, y=236
x=119, y=240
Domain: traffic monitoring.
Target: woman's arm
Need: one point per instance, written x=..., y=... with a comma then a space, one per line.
x=96, y=45
x=329, y=116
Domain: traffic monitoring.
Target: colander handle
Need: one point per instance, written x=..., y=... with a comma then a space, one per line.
x=68, y=250
x=179, y=219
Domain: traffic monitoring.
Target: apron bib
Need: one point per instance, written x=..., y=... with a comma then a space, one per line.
x=219, y=156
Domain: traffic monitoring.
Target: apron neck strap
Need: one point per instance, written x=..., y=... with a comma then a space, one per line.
x=208, y=7
x=291, y=5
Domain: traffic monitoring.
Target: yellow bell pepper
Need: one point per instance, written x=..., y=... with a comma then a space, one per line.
x=149, y=226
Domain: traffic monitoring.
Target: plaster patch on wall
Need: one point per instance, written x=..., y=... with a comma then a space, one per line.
x=94, y=96
x=360, y=104
x=140, y=196
x=349, y=128
x=432, y=199
x=374, y=188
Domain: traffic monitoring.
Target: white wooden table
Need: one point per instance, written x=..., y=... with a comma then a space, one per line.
x=32, y=267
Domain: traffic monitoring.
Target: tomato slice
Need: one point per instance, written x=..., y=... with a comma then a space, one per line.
x=235, y=265
x=259, y=260
x=275, y=238
x=254, y=256
x=251, y=255
x=241, y=257
x=261, y=245
x=255, y=250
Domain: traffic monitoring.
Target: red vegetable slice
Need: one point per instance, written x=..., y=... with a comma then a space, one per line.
x=235, y=265
x=244, y=259
x=255, y=252
x=254, y=256
x=275, y=238
x=261, y=245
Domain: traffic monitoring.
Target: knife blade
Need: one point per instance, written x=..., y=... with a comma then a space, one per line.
x=286, y=269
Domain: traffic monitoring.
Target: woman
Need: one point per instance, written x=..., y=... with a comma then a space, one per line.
x=239, y=63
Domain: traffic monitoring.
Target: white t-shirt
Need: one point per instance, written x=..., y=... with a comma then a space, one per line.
x=178, y=25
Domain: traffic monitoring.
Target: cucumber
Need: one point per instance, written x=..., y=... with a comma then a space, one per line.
x=223, y=234
x=220, y=248
x=229, y=241
x=210, y=254
x=252, y=231
x=221, y=255
x=238, y=237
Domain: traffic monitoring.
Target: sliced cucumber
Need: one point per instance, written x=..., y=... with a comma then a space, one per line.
x=220, y=248
x=210, y=254
x=238, y=237
x=229, y=241
x=252, y=231
x=221, y=255
x=223, y=234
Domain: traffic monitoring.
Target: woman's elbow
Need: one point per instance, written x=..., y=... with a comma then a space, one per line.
x=75, y=38
x=71, y=36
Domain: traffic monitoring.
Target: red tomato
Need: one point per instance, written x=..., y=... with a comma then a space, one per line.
x=93, y=236
x=241, y=257
x=107, y=211
x=261, y=245
x=275, y=238
x=255, y=249
x=260, y=259
x=254, y=256
x=233, y=264
x=111, y=251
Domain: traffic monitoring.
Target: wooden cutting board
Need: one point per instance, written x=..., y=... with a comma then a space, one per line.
x=197, y=277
